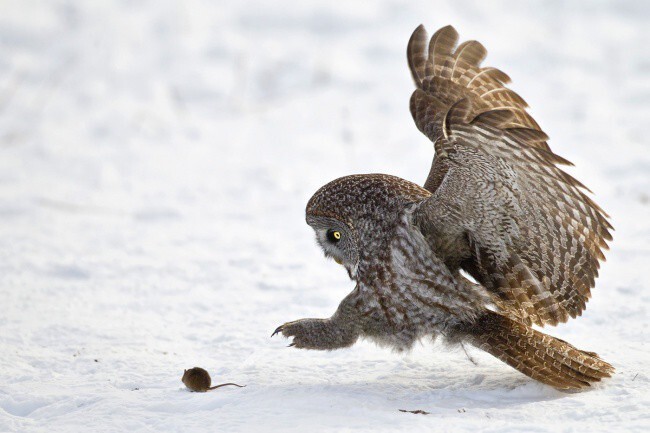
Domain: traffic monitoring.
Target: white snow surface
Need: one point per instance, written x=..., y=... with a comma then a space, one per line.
x=156, y=158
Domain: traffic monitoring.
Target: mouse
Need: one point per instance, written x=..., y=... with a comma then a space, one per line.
x=198, y=380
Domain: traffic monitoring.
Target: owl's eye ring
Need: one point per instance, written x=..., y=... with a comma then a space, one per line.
x=333, y=236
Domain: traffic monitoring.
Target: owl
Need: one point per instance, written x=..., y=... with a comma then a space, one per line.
x=495, y=206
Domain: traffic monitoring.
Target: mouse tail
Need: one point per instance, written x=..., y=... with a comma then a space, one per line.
x=226, y=384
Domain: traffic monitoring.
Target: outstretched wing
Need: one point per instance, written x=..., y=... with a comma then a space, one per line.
x=500, y=206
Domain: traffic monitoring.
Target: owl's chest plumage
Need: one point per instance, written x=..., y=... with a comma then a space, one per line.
x=407, y=292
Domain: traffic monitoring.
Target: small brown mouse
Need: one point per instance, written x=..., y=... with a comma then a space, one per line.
x=198, y=380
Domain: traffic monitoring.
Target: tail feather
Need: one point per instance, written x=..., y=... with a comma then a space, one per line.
x=544, y=358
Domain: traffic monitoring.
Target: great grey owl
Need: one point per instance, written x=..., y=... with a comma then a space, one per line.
x=495, y=204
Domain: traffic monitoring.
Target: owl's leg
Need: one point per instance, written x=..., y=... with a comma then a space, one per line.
x=319, y=334
x=472, y=360
x=340, y=330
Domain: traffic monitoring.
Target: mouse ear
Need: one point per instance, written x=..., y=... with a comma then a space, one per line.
x=185, y=371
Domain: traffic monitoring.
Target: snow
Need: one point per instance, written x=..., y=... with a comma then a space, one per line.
x=156, y=158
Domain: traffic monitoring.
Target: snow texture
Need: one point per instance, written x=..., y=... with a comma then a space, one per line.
x=156, y=158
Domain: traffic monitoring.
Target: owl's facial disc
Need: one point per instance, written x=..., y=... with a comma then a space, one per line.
x=337, y=240
x=333, y=244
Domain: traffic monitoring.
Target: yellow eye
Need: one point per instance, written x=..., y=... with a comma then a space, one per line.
x=333, y=235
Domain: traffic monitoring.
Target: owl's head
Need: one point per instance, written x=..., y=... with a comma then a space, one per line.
x=338, y=239
x=354, y=216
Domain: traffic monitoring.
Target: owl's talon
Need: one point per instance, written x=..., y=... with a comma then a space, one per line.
x=277, y=330
x=291, y=345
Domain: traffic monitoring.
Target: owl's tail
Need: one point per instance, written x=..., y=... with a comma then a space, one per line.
x=544, y=358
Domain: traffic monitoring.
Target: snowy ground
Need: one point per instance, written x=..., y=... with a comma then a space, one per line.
x=155, y=161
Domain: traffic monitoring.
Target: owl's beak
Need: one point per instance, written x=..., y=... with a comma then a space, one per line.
x=338, y=261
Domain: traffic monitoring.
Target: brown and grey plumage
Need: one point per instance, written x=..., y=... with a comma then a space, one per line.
x=495, y=204
x=536, y=238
